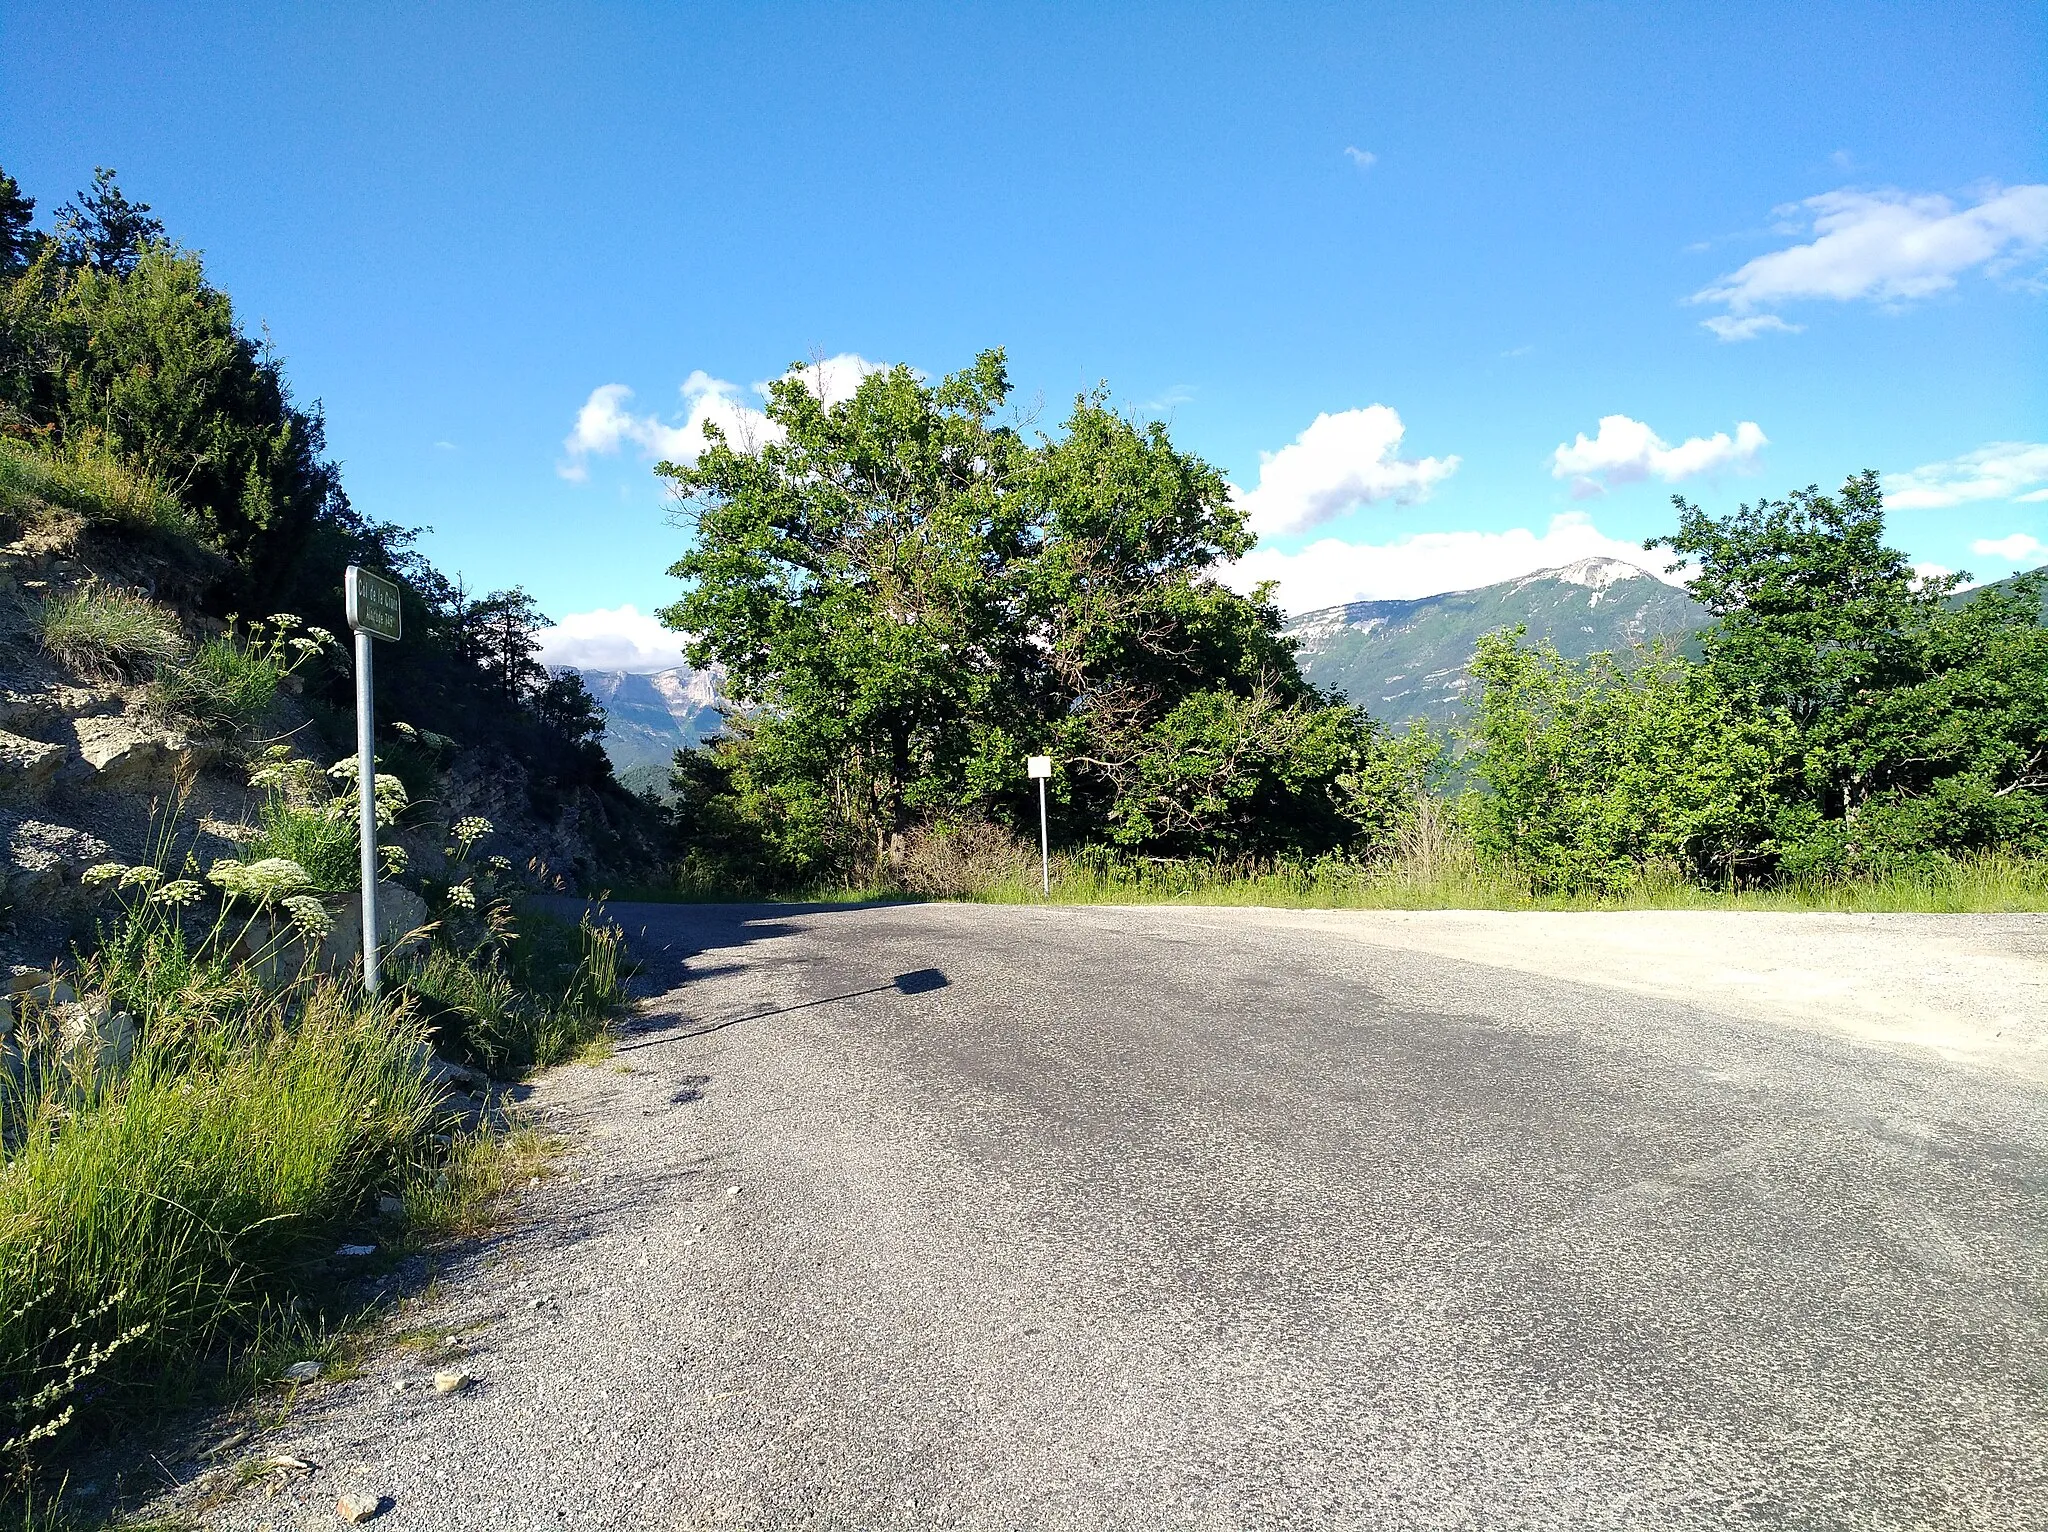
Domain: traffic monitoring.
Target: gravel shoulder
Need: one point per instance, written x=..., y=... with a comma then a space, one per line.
x=972, y=1217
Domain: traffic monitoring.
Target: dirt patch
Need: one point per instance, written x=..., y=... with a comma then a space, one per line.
x=1970, y=988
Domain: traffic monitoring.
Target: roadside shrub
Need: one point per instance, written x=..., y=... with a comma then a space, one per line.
x=99, y=630
x=1599, y=771
x=963, y=859
x=524, y=1004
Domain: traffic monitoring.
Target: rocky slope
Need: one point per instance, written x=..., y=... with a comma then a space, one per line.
x=1406, y=659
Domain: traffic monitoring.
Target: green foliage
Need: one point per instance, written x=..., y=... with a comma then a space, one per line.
x=526, y=1004
x=173, y=1205
x=231, y=681
x=1596, y=772
x=102, y=630
x=1847, y=720
x=907, y=597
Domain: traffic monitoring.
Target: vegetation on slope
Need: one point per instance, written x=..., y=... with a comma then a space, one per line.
x=203, y=1105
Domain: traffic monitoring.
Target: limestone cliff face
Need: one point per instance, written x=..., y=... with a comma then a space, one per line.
x=649, y=717
x=1406, y=659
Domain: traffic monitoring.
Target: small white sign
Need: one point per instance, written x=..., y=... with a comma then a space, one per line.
x=1039, y=765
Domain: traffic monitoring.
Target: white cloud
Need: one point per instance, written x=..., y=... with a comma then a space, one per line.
x=1995, y=471
x=1331, y=571
x=1727, y=327
x=1886, y=246
x=604, y=425
x=615, y=639
x=2016, y=549
x=1364, y=159
x=1627, y=451
x=1341, y=461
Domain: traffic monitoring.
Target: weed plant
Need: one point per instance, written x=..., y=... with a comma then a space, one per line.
x=523, y=1004
x=231, y=681
x=99, y=630
x=168, y=1227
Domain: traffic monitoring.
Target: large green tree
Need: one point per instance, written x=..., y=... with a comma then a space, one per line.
x=907, y=596
x=1918, y=719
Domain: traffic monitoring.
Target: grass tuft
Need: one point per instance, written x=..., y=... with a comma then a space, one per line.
x=99, y=630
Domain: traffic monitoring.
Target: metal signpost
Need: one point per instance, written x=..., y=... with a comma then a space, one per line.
x=371, y=602
x=1040, y=766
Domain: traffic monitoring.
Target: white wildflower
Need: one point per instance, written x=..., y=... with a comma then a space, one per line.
x=179, y=891
x=468, y=831
x=501, y=865
x=462, y=896
x=407, y=732
x=103, y=872
x=394, y=860
x=268, y=879
x=306, y=645
x=322, y=636
x=286, y=620
x=309, y=915
x=141, y=877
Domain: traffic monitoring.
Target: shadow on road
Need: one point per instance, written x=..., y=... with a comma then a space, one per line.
x=919, y=981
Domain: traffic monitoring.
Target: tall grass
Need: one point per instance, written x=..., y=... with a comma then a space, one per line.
x=1433, y=867
x=174, y=1203
x=86, y=479
x=528, y=1004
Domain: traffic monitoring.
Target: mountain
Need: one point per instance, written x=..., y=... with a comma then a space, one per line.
x=1406, y=659
x=648, y=718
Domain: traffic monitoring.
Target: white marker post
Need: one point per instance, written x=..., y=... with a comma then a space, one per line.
x=1040, y=766
x=371, y=603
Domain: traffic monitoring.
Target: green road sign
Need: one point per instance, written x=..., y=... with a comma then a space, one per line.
x=371, y=603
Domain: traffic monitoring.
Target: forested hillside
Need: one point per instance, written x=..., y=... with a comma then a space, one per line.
x=153, y=446
x=1412, y=659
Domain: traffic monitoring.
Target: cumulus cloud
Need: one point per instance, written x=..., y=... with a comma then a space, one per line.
x=1364, y=159
x=1995, y=471
x=1341, y=461
x=1885, y=246
x=615, y=639
x=605, y=426
x=2016, y=549
x=1331, y=571
x=1627, y=451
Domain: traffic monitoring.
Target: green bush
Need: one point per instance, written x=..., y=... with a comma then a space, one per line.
x=524, y=1004
x=101, y=630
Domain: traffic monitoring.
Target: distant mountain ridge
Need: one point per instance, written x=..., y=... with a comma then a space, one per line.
x=649, y=716
x=1406, y=659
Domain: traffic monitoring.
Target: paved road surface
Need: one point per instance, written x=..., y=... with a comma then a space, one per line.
x=1180, y=1219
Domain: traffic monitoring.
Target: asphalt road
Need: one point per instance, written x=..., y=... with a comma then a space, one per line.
x=956, y=1216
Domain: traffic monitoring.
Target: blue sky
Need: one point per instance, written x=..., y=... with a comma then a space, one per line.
x=1338, y=248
